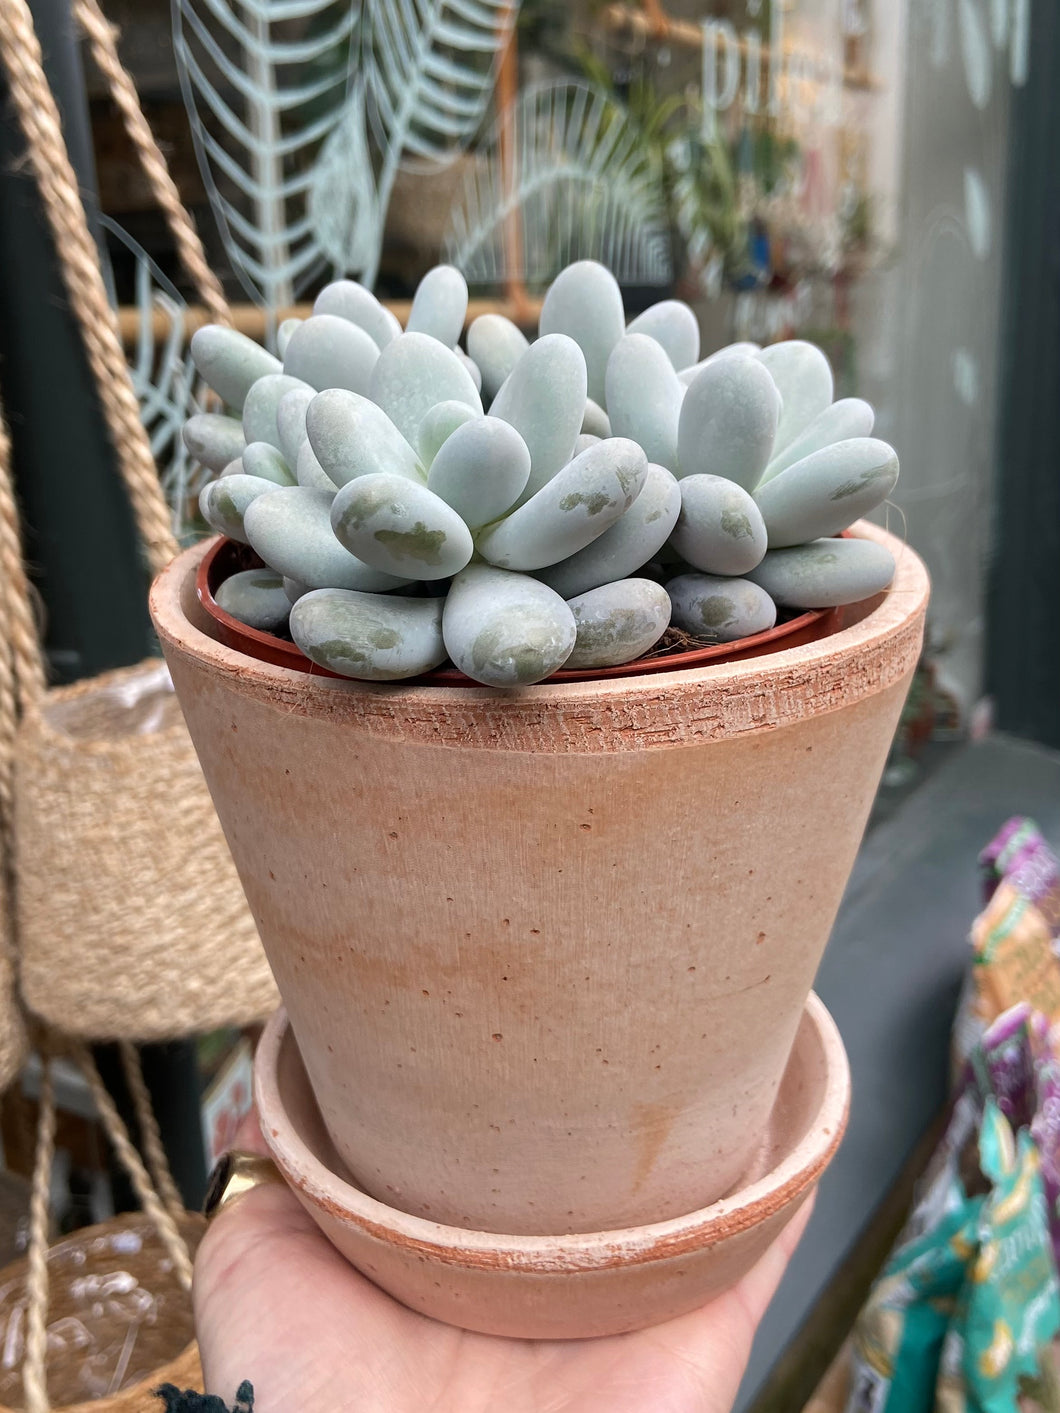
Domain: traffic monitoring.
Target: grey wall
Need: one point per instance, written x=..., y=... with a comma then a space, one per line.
x=927, y=323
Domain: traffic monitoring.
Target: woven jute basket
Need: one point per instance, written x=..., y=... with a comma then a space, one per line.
x=131, y=922
x=111, y=1339
x=122, y=1288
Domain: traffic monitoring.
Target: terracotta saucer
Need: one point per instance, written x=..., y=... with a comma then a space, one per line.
x=562, y=1287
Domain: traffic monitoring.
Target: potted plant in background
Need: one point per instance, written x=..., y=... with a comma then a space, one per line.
x=546, y=943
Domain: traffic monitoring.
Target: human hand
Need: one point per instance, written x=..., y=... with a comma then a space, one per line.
x=275, y=1303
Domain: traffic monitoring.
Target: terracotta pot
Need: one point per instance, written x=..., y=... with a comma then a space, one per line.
x=563, y=1287
x=545, y=951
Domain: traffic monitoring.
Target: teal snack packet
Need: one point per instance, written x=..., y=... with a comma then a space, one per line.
x=959, y=1319
x=899, y=1335
x=1009, y=1308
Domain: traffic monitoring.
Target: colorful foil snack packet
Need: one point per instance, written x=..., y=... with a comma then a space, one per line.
x=1009, y=1308
x=973, y=1277
x=1017, y=1066
x=1013, y=957
x=1020, y=856
x=899, y=1335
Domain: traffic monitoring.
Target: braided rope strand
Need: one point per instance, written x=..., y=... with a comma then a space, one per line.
x=102, y=37
x=21, y=630
x=21, y=685
x=132, y=1162
x=79, y=259
x=149, y=1131
x=34, y=1372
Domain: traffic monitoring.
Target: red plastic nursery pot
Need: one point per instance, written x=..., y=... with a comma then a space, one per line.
x=225, y=557
x=545, y=952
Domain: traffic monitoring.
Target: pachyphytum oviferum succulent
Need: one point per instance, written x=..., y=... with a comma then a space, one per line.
x=403, y=524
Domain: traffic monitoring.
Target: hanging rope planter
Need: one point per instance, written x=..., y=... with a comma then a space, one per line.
x=131, y=921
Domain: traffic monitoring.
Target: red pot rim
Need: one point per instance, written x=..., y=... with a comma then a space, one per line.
x=217, y=563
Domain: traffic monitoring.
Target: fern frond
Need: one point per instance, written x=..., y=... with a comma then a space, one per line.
x=265, y=83
x=583, y=186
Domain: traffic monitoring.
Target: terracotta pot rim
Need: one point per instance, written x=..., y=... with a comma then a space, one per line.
x=878, y=646
x=886, y=614
x=789, y=1179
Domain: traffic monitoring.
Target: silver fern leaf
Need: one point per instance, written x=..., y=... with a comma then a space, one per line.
x=429, y=68
x=265, y=83
x=164, y=379
x=343, y=205
x=430, y=72
x=582, y=186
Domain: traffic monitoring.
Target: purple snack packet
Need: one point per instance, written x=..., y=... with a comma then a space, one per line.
x=1020, y=856
x=1016, y=1064
x=1045, y=1125
x=1004, y=1065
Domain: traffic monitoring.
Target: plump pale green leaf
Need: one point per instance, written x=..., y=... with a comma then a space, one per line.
x=213, y=439
x=504, y=629
x=618, y=622
x=585, y=303
x=827, y=491
x=327, y=351
x=839, y=422
x=309, y=471
x=720, y=529
x=634, y=539
x=413, y=373
x=438, y=426
x=439, y=306
x=264, y=460
x=496, y=345
x=544, y=400
x=262, y=406
x=720, y=610
x=573, y=509
x=480, y=470
x=290, y=528
x=374, y=637
x=644, y=397
x=400, y=527
x=804, y=380
x=350, y=300
x=224, y=503
x=671, y=323
x=825, y=573
x=256, y=597
x=290, y=422
x=353, y=437
x=230, y=362
x=728, y=421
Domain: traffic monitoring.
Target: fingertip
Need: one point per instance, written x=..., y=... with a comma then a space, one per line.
x=249, y=1137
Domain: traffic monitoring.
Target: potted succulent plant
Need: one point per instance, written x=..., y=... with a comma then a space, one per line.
x=545, y=942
